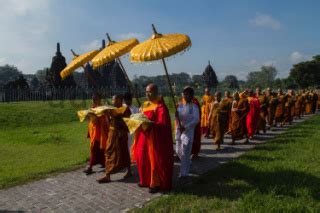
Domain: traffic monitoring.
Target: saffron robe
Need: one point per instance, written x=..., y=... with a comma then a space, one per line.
x=117, y=153
x=280, y=110
x=153, y=148
x=253, y=115
x=272, y=101
x=218, y=119
x=98, y=133
x=238, y=118
x=205, y=109
x=263, y=113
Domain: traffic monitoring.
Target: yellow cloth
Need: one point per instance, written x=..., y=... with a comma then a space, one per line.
x=135, y=121
x=96, y=112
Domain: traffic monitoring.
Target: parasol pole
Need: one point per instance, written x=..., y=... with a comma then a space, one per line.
x=168, y=79
x=86, y=72
x=126, y=76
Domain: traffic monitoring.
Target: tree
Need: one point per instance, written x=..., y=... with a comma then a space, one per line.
x=197, y=80
x=20, y=83
x=41, y=75
x=307, y=73
x=8, y=73
x=262, y=78
x=209, y=77
x=231, y=82
x=35, y=83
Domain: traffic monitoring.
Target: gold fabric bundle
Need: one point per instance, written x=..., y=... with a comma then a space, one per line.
x=135, y=121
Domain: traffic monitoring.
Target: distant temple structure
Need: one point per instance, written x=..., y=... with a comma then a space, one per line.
x=53, y=74
x=109, y=75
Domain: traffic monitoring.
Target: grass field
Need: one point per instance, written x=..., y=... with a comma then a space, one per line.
x=280, y=176
x=40, y=138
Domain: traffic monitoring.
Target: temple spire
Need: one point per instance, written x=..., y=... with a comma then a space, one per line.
x=58, y=49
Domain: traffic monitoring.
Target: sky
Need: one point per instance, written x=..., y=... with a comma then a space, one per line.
x=236, y=36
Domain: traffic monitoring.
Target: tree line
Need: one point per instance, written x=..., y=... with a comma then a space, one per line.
x=302, y=75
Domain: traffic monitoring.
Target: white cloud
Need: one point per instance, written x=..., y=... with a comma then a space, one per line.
x=93, y=45
x=267, y=21
x=269, y=63
x=139, y=36
x=22, y=8
x=255, y=65
x=297, y=57
x=24, y=31
x=3, y=61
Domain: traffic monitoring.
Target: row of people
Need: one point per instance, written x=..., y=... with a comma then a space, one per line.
x=248, y=113
x=241, y=115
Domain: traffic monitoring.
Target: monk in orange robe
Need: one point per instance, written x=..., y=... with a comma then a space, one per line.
x=239, y=111
x=318, y=103
x=117, y=153
x=280, y=110
x=272, y=102
x=218, y=119
x=263, y=111
x=253, y=114
x=314, y=101
x=207, y=99
x=308, y=102
x=98, y=133
x=153, y=147
x=290, y=101
x=299, y=105
x=229, y=99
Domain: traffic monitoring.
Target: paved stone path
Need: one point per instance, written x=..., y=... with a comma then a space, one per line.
x=76, y=192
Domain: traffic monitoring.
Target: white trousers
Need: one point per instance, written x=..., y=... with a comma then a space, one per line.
x=183, y=150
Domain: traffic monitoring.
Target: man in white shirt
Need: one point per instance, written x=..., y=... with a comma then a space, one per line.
x=188, y=113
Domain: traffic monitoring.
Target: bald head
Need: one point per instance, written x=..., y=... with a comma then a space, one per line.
x=152, y=92
x=218, y=96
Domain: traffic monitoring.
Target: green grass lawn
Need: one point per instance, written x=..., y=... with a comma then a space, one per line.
x=280, y=176
x=40, y=138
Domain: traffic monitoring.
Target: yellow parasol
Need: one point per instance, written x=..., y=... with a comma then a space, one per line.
x=78, y=61
x=159, y=47
x=114, y=51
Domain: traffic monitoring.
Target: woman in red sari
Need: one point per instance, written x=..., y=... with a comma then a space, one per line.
x=153, y=147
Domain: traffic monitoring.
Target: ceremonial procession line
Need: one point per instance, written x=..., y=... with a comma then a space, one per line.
x=76, y=192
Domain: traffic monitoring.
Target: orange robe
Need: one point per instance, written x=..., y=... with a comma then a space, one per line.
x=288, y=118
x=308, y=103
x=253, y=115
x=229, y=100
x=263, y=113
x=238, y=118
x=280, y=110
x=298, y=106
x=219, y=117
x=153, y=147
x=272, y=103
x=98, y=133
x=206, y=100
x=117, y=153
